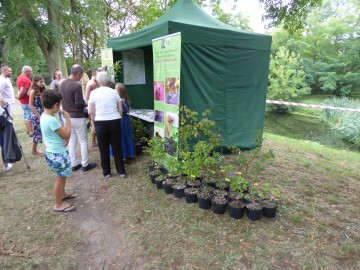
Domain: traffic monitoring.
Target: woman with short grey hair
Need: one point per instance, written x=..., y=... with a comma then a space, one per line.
x=105, y=111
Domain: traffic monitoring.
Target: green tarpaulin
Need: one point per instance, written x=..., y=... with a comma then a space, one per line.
x=221, y=67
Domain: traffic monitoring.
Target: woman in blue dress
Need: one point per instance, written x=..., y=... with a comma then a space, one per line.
x=127, y=143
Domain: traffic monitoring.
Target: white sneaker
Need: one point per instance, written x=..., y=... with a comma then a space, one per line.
x=7, y=168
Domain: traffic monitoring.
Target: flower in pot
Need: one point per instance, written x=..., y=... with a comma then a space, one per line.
x=238, y=186
x=253, y=207
x=270, y=202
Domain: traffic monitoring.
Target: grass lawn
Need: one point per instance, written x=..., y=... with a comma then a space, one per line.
x=317, y=226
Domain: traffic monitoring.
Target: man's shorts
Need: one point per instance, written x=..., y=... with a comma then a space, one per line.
x=27, y=112
x=59, y=164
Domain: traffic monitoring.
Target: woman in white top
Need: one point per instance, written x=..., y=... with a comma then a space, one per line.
x=105, y=111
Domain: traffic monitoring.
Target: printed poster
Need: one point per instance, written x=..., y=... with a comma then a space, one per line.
x=133, y=67
x=107, y=60
x=167, y=59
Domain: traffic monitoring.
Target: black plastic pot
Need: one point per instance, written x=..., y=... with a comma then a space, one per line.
x=167, y=185
x=159, y=182
x=269, y=209
x=204, y=200
x=254, y=211
x=219, y=205
x=236, y=209
x=179, y=190
x=153, y=175
x=138, y=149
x=191, y=195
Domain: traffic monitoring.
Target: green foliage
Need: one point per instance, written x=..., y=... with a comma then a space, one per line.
x=329, y=47
x=197, y=143
x=271, y=191
x=287, y=76
x=235, y=20
x=239, y=184
x=291, y=13
x=156, y=149
x=344, y=122
x=117, y=70
x=252, y=163
x=140, y=131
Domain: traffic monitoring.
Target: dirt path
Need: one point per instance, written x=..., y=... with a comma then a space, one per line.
x=103, y=245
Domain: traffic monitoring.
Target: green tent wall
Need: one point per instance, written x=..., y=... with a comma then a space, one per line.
x=221, y=67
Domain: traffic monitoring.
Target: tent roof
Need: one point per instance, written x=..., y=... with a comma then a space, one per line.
x=186, y=16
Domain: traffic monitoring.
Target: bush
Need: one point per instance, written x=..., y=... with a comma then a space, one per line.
x=344, y=122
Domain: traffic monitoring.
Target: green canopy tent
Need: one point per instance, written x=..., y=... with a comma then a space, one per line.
x=221, y=67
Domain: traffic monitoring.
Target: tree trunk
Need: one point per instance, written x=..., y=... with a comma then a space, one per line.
x=52, y=45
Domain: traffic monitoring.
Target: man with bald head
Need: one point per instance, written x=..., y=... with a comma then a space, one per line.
x=23, y=83
x=73, y=103
x=6, y=88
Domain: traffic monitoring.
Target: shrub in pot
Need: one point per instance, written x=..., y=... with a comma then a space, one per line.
x=168, y=185
x=179, y=187
x=159, y=181
x=236, y=209
x=254, y=210
x=204, y=197
x=219, y=204
x=238, y=186
x=154, y=174
x=140, y=133
x=156, y=149
x=191, y=194
x=271, y=193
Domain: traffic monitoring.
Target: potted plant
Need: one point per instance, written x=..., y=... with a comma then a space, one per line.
x=204, y=197
x=159, y=181
x=154, y=174
x=140, y=133
x=270, y=201
x=238, y=186
x=179, y=187
x=253, y=207
x=219, y=203
x=173, y=172
x=156, y=149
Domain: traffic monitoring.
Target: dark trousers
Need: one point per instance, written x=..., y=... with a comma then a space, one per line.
x=109, y=133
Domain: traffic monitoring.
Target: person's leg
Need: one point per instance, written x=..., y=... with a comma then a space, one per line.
x=27, y=119
x=115, y=140
x=61, y=166
x=73, y=143
x=103, y=138
x=59, y=187
x=36, y=137
x=83, y=140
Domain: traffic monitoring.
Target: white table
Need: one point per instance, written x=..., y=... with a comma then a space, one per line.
x=143, y=114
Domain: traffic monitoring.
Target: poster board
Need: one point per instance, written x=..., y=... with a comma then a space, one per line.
x=167, y=65
x=133, y=67
x=107, y=60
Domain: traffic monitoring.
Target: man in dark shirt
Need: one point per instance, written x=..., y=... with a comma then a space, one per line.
x=73, y=103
